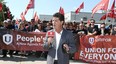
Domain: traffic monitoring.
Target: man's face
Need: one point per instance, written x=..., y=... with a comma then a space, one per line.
x=92, y=22
x=102, y=26
x=114, y=28
x=57, y=24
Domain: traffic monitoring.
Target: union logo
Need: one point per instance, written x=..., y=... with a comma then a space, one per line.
x=91, y=40
x=7, y=39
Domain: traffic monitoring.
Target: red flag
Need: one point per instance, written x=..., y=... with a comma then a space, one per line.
x=112, y=9
x=103, y=5
x=103, y=17
x=31, y=4
x=61, y=10
x=113, y=6
x=25, y=12
x=22, y=16
x=0, y=6
x=8, y=13
x=111, y=15
x=80, y=7
x=35, y=17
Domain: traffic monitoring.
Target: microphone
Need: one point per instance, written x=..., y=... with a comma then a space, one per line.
x=51, y=34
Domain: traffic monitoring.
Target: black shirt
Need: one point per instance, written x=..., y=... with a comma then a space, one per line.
x=83, y=31
x=93, y=29
x=113, y=32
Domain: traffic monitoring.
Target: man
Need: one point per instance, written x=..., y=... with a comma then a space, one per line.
x=103, y=30
x=113, y=32
x=81, y=31
x=61, y=44
x=8, y=25
x=92, y=29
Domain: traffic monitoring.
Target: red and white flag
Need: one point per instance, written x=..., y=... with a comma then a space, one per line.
x=80, y=7
x=25, y=11
x=35, y=17
x=103, y=5
x=22, y=16
x=61, y=10
x=111, y=14
x=29, y=6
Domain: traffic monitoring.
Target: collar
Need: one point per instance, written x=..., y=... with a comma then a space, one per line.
x=60, y=32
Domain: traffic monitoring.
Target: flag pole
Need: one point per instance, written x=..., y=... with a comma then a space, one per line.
x=33, y=8
x=106, y=16
x=33, y=12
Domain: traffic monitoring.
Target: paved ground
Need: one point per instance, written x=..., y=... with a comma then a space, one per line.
x=32, y=59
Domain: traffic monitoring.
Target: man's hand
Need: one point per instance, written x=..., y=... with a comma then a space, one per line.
x=50, y=39
x=66, y=47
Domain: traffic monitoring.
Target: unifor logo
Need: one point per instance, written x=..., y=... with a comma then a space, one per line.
x=91, y=40
x=7, y=39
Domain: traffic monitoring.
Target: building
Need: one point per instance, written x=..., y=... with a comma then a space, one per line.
x=45, y=17
x=82, y=16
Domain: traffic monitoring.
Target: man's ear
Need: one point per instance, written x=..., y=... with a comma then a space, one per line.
x=62, y=22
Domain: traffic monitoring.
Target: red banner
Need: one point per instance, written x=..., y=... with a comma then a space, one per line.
x=97, y=49
x=17, y=40
x=92, y=49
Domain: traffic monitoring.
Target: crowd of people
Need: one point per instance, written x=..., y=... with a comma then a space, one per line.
x=80, y=28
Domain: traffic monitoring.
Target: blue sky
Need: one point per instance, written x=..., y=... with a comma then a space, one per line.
x=49, y=7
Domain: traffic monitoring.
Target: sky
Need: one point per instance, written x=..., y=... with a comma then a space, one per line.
x=49, y=7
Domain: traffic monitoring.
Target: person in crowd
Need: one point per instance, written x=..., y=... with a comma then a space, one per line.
x=1, y=26
x=92, y=29
x=22, y=27
x=103, y=30
x=81, y=31
x=71, y=27
x=8, y=25
x=15, y=25
x=38, y=28
x=31, y=26
x=110, y=28
x=48, y=27
x=114, y=30
x=81, y=22
x=4, y=51
x=61, y=44
x=65, y=26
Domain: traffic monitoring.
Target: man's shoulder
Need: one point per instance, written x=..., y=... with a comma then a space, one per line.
x=67, y=31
